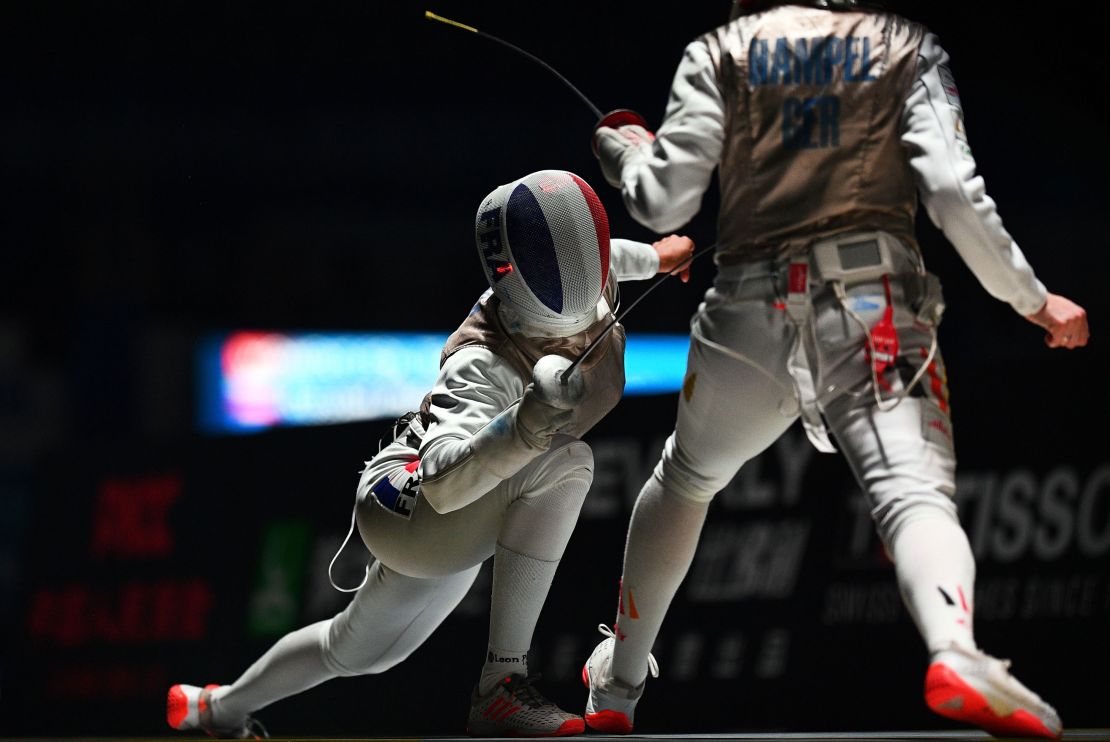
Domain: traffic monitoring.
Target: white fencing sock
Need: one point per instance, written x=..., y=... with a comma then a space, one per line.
x=520, y=584
x=936, y=575
x=662, y=538
x=532, y=540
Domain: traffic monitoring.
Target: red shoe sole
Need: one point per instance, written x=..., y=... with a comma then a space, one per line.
x=610, y=722
x=948, y=695
x=177, y=707
x=568, y=728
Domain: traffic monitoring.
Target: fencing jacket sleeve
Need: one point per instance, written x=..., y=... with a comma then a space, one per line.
x=663, y=190
x=953, y=194
x=633, y=261
x=473, y=387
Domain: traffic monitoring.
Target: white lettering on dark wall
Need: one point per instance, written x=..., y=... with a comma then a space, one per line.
x=729, y=656
x=1094, y=514
x=1075, y=596
x=687, y=656
x=1017, y=514
x=621, y=466
x=774, y=656
x=854, y=603
x=759, y=559
x=997, y=598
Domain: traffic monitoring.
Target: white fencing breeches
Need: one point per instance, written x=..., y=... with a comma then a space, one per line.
x=425, y=565
x=730, y=409
x=739, y=397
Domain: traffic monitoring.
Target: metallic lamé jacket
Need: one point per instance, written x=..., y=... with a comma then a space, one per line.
x=821, y=122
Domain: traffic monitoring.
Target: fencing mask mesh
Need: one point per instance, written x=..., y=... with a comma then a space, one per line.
x=544, y=245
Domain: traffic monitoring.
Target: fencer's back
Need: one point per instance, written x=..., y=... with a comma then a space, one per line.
x=813, y=104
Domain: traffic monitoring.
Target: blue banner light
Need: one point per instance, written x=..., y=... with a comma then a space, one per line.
x=250, y=381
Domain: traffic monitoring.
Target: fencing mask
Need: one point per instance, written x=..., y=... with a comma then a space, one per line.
x=544, y=244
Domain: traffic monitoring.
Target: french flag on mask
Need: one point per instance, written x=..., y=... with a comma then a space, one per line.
x=544, y=245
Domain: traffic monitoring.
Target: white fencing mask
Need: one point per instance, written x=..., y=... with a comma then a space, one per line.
x=544, y=245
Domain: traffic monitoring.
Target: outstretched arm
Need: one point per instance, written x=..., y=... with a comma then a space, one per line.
x=634, y=261
x=663, y=177
x=956, y=200
x=488, y=426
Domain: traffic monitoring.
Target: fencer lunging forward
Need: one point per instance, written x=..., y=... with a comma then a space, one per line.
x=826, y=123
x=491, y=465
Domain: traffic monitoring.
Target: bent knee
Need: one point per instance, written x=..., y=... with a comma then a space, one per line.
x=349, y=664
x=346, y=654
x=678, y=477
x=567, y=458
x=563, y=475
x=576, y=455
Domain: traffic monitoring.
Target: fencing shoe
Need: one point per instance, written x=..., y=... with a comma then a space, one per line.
x=188, y=708
x=514, y=708
x=611, y=704
x=975, y=688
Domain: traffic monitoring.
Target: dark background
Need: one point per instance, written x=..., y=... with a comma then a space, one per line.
x=172, y=169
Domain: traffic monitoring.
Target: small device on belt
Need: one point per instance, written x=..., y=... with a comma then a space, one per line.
x=857, y=259
x=863, y=257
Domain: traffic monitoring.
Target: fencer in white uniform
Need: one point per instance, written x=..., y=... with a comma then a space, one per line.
x=491, y=465
x=826, y=124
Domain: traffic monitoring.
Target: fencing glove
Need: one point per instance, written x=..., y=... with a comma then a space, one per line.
x=616, y=147
x=522, y=432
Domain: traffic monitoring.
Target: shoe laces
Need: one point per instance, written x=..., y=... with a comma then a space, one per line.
x=1004, y=665
x=523, y=689
x=251, y=728
x=653, y=666
x=982, y=656
x=254, y=727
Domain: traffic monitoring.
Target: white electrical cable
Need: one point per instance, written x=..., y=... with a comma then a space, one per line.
x=842, y=297
x=343, y=546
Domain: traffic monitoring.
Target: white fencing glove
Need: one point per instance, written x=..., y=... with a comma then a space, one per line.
x=523, y=431
x=615, y=147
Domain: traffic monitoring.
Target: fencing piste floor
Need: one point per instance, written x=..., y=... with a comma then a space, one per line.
x=1084, y=735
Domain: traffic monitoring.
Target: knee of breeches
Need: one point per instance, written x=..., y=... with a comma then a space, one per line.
x=894, y=515
x=346, y=656
x=350, y=666
x=578, y=457
x=568, y=459
x=679, y=478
